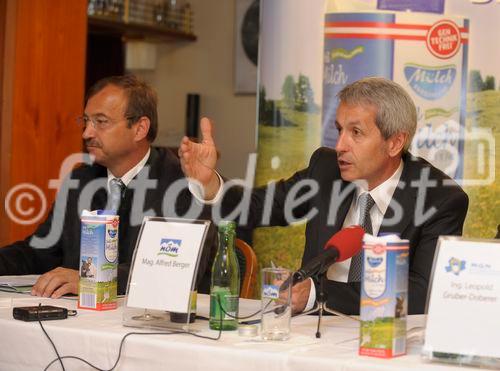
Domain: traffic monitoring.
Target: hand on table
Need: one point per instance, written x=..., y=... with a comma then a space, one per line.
x=56, y=283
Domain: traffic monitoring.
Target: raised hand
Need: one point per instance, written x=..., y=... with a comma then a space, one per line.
x=198, y=160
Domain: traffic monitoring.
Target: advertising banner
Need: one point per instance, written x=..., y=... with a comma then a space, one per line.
x=444, y=53
x=424, y=53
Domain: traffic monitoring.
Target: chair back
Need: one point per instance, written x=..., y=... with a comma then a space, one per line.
x=248, y=268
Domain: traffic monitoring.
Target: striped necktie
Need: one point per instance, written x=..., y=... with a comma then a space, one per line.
x=366, y=202
x=116, y=188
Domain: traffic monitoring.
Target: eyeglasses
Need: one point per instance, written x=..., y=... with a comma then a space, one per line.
x=100, y=122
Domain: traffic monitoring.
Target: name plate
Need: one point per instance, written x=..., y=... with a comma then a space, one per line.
x=464, y=302
x=165, y=264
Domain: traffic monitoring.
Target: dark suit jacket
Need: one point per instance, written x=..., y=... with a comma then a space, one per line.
x=443, y=204
x=163, y=166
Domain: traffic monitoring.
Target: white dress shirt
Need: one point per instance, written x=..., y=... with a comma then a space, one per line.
x=197, y=191
x=382, y=195
x=129, y=175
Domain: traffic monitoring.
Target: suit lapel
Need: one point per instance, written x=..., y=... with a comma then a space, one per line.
x=100, y=197
x=341, y=207
x=398, y=215
x=99, y=200
x=344, y=206
x=150, y=200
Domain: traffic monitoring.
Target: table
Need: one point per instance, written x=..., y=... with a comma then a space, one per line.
x=95, y=336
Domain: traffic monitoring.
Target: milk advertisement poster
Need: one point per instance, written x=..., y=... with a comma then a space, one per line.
x=425, y=53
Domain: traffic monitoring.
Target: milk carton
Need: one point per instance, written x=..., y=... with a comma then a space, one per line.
x=384, y=296
x=98, y=261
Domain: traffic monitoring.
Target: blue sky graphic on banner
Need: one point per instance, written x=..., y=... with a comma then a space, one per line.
x=279, y=57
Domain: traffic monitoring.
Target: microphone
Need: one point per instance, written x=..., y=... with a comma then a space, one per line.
x=341, y=246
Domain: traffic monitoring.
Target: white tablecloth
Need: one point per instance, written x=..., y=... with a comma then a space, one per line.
x=96, y=336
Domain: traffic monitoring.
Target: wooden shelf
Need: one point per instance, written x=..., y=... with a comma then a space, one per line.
x=133, y=30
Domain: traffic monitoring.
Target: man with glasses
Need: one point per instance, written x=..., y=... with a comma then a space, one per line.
x=128, y=176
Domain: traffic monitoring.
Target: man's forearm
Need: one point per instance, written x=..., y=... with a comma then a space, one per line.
x=17, y=259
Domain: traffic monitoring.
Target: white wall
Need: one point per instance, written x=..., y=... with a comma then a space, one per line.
x=206, y=66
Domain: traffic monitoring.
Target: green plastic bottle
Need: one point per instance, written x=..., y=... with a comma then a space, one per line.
x=225, y=285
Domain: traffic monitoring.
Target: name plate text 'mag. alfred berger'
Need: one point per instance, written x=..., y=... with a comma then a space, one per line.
x=165, y=264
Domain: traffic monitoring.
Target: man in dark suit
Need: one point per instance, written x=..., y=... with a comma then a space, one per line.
x=369, y=179
x=120, y=122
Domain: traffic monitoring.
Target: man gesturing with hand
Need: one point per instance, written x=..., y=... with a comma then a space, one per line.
x=370, y=179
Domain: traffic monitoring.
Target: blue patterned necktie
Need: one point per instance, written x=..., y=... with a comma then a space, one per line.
x=116, y=188
x=366, y=203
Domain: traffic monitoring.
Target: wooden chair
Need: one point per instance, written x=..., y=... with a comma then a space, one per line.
x=248, y=268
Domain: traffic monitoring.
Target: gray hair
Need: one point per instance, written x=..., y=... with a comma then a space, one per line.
x=396, y=112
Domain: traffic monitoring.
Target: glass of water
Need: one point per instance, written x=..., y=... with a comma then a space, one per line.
x=276, y=303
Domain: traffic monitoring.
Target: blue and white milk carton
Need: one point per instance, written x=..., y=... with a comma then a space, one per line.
x=384, y=296
x=98, y=260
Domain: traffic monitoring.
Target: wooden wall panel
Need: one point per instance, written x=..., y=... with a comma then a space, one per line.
x=7, y=22
x=47, y=95
x=3, y=11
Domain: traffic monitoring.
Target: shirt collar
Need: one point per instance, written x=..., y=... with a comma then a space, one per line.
x=382, y=194
x=129, y=175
